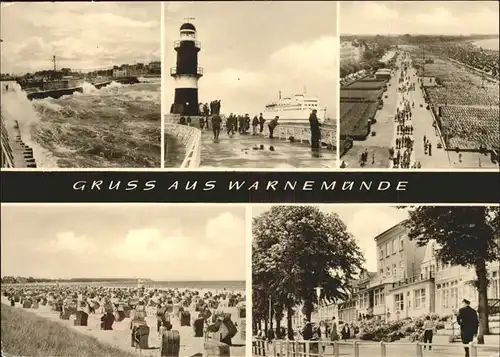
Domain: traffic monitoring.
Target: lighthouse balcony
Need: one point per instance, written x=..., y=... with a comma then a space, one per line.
x=199, y=72
x=177, y=44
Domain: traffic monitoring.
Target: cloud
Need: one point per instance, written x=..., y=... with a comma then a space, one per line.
x=71, y=243
x=439, y=17
x=225, y=231
x=233, y=78
x=172, y=6
x=150, y=245
x=82, y=36
x=377, y=11
x=316, y=57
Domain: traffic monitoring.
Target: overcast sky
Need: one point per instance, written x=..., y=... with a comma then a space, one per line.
x=365, y=222
x=82, y=35
x=252, y=50
x=160, y=242
x=419, y=17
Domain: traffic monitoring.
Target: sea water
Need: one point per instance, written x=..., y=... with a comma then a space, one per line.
x=115, y=126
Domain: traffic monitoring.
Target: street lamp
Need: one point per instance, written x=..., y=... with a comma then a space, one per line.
x=270, y=313
x=318, y=294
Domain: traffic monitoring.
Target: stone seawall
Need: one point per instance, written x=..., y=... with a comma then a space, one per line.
x=15, y=153
x=58, y=93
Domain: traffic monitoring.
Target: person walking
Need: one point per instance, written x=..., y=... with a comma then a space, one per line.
x=469, y=323
x=334, y=336
x=428, y=332
x=216, y=121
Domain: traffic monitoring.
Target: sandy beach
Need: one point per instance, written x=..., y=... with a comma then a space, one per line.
x=120, y=336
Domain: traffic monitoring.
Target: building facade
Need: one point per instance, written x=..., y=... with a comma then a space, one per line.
x=410, y=282
x=351, y=51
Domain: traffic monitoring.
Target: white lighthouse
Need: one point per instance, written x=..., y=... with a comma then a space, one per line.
x=186, y=73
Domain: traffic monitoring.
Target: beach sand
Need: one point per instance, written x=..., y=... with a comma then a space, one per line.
x=119, y=337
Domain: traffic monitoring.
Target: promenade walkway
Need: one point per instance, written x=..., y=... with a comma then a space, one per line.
x=259, y=151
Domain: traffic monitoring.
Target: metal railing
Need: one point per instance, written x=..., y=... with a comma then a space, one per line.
x=190, y=137
x=199, y=72
x=302, y=134
x=285, y=348
x=177, y=43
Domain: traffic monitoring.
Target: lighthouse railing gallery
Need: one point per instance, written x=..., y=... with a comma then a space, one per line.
x=173, y=71
x=189, y=136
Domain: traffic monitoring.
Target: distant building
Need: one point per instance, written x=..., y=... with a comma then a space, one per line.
x=351, y=51
x=120, y=72
x=155, y=65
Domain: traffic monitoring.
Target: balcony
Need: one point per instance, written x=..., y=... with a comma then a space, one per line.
x=199, y=72
x=413, y=280
x=177, y=44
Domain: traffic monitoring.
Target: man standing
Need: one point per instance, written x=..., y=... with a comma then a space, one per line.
x=261, y=123
x=315, y=130
x=272, y=125
x=469, y=323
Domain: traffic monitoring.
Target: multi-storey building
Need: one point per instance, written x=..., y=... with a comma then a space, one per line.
x=351, y=51
x=410, y=282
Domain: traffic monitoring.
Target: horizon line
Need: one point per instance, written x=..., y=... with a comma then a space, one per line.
x=146, y=279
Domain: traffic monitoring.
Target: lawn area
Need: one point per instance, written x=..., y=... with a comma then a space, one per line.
x=26, y=334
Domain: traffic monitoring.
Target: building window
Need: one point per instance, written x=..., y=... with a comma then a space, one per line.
x=419, y=298
x=393, y=246
x=387, y=248
x=381, y=253
x=379, y=297
x=445, y=299
x=394, y=270
x=388, y=270
x=454, y=298
x=401, y=244
x=399, y=303
x=363, y=300
x=494, y=293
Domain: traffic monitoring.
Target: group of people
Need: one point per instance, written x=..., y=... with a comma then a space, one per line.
x=212, y=108
x=205, y=312
x=242, y=124
x=469, y=54
x=404, y=144
x=328, y=332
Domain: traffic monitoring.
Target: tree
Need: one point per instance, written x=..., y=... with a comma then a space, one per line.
x=297, y=248
x=466, y=236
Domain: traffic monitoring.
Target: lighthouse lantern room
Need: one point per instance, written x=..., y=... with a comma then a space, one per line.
x=186, y=73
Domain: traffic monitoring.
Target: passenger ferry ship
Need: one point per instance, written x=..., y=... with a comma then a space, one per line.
x=295, y=109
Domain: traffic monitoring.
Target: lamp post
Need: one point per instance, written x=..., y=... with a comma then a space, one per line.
x=270, y=313
x=318, y=294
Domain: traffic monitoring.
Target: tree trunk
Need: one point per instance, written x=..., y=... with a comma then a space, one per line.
x=265, y=328
x=307, y=309
x=259, y=325
x=289, y=327
x=482, y=288
x=271, y=322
